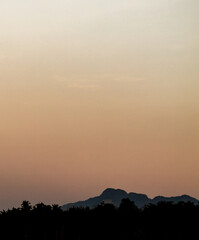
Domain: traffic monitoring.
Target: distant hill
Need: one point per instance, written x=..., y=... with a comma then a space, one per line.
x=115, y=196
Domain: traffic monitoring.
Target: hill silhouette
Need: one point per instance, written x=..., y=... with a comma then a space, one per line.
x=115, y=196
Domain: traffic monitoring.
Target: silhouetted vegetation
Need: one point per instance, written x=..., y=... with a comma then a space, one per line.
x=163, y=221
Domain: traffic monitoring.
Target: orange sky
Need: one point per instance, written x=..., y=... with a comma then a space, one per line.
x=98, y=94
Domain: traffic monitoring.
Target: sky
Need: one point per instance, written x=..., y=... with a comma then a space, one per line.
x=97, y=94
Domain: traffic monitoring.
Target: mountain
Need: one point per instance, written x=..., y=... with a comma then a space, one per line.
x=115, y=196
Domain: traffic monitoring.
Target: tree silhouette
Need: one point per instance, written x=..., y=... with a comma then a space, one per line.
x=165, y=220
x=26, y=206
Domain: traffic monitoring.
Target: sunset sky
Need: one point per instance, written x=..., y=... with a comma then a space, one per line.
x=97, y=94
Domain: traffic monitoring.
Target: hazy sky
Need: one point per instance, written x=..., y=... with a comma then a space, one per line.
x=96, y=94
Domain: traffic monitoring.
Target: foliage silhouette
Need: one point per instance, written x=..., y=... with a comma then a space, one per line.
x=164, y=220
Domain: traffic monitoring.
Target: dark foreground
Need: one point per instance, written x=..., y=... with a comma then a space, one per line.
x=43, y=222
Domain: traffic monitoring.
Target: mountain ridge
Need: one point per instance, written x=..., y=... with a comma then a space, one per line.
x=114, y=196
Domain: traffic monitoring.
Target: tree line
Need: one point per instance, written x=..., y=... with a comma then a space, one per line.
x=162, y=221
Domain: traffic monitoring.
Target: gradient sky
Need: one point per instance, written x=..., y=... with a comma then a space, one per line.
x=96, y=94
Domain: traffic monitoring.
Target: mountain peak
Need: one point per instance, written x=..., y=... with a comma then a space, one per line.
x=110, y=192
x=114, y=196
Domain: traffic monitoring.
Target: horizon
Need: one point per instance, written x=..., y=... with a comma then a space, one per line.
x=88, y=197
x=98, y=93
